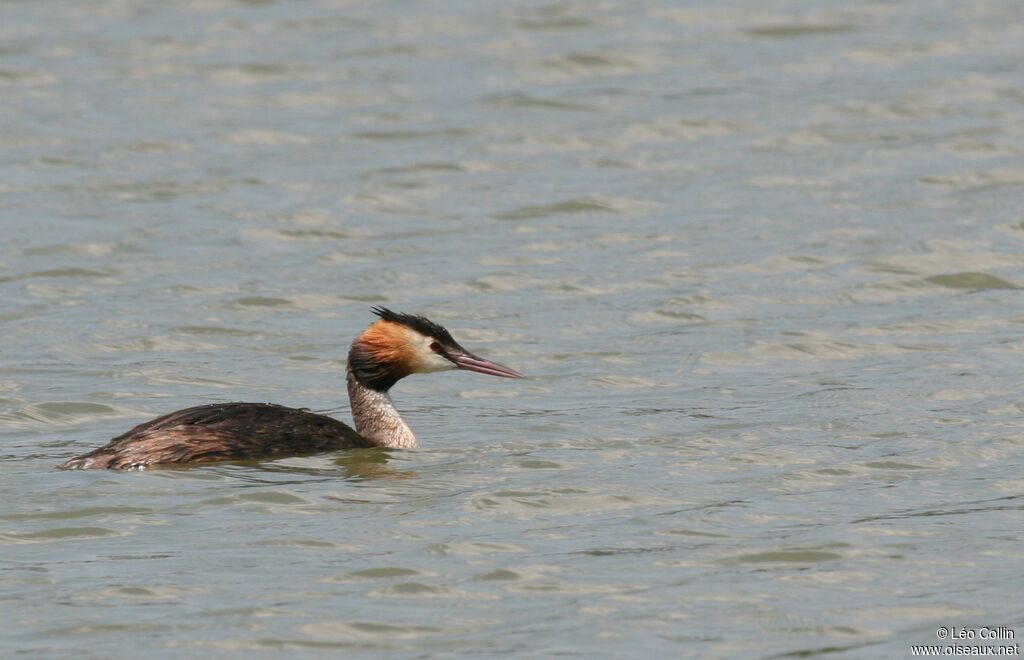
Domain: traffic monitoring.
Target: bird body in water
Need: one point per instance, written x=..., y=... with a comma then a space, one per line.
x=393, y=347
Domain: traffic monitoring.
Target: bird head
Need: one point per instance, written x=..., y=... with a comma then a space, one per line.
x=398, y=345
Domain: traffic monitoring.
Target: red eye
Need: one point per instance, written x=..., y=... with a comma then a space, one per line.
x=434, y=346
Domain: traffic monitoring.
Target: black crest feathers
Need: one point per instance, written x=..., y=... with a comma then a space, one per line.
x=420, y=324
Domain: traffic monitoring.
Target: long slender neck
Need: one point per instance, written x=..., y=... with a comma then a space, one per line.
x=376, y=418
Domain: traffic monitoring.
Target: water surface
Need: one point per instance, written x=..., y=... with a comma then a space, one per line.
x=761, y=264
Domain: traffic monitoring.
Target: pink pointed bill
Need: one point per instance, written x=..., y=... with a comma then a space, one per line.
x=471, y=362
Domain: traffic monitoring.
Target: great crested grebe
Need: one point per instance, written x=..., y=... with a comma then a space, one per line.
x=393, y=347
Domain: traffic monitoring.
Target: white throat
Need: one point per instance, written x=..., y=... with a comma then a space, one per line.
x=376, y=418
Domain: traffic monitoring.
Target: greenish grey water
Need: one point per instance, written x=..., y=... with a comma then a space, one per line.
x=762, y=264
